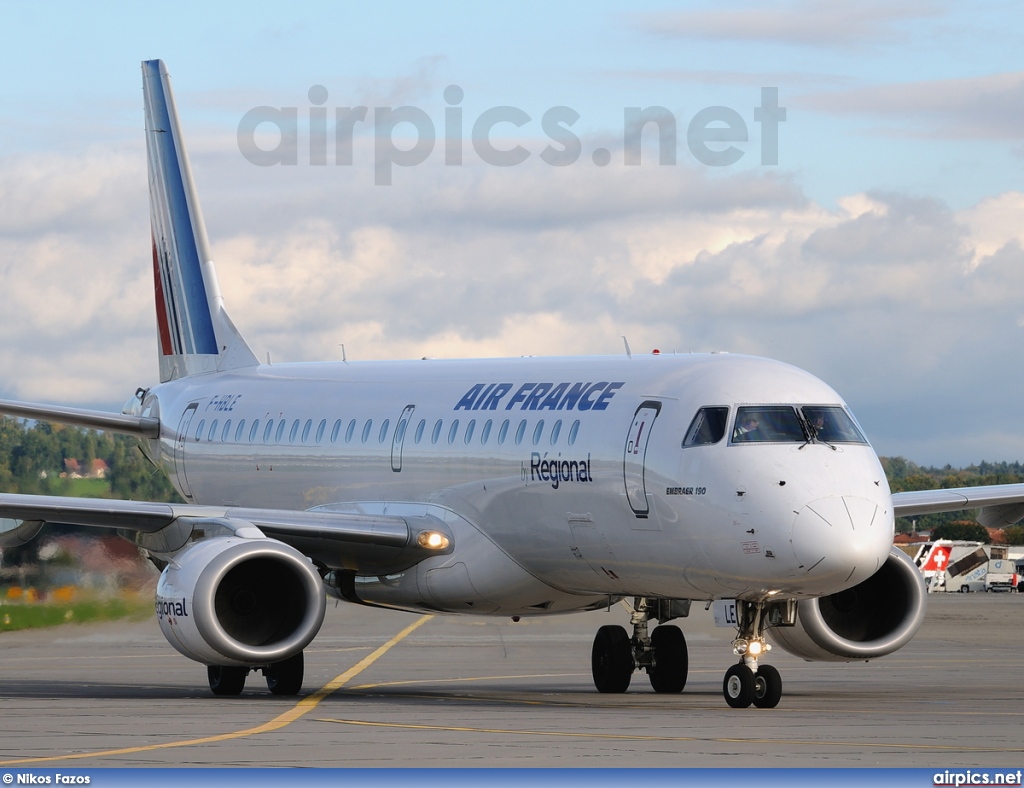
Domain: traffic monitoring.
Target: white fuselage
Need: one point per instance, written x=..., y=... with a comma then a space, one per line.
x=574, y=470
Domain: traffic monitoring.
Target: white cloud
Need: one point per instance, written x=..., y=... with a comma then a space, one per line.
x=971, y=108
x=807, y=22
x=910, y=309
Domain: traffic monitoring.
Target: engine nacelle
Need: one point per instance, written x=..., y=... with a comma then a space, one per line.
x=240, y=601
x=870, y=620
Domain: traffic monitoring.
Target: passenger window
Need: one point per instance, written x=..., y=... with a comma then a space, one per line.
x=768, y=424
x=226, y=432
x=574, y=431
x=384, y=430
x=268, y=431
x=239, y=430
x=199, y=430
x=485, y=433
x=280, y=430
x=255, y=428
x=305, y=430
x=520, y=432
x=453, y=431
x=294, y=432
x=336, y=431
x=400, y=430
x=419, y=430
x=469, y=431
x=555, y=431
x=320, y=430
x=350, y=431
x=213, y=431
x=503, y=432
x=707, y=427
x=538, y=431
x=366, y=430
x=437, y=432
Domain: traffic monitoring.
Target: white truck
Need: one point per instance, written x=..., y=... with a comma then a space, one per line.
x=1002, y=575
x=952, y=565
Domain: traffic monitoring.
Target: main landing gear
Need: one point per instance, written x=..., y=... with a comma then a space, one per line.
x=662, y=653
x=283, y=678
x=749, y=682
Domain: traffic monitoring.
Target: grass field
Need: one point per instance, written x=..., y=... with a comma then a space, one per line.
x=14, y=616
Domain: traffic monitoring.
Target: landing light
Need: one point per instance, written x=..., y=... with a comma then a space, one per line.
x=754, y=648
x=433, y=540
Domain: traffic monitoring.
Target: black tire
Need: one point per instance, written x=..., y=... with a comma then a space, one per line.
x=738, y=687
x=285, y=677
x=671, y=661
x=767, y=687
x=226, y=680
x=611, y=659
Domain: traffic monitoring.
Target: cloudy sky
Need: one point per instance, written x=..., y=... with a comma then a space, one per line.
x=882, y=252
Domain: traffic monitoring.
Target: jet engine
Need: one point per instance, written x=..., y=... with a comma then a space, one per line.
x=240, y=601
x=872, y=619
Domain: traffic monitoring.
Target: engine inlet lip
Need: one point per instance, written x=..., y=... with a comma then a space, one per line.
x=216, y=570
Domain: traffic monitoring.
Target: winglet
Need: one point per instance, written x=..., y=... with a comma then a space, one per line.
x=196, y=336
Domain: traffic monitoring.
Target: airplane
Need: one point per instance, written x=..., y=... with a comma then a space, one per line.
x=492, y=487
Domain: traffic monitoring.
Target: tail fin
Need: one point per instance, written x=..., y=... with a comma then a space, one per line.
x=196, y=334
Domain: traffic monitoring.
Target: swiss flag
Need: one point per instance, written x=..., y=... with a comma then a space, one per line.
x=938, y=558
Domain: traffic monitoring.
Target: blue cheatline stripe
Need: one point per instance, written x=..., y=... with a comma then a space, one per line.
x=188, y=307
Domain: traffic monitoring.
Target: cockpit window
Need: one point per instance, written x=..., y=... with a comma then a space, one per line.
x=832, y=424
x=795, y=424
x=707, y=427
x=768, y=424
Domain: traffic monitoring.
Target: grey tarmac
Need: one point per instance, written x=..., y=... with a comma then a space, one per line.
x=393, y=689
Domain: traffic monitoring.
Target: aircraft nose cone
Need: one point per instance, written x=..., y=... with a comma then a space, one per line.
x=841, y=540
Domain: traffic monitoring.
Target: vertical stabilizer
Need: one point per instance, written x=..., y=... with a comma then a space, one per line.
x=195, y=334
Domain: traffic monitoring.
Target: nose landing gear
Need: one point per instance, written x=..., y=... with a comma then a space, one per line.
x=748, y=682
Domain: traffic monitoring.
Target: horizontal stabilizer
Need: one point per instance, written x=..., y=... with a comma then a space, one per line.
x=139, y=426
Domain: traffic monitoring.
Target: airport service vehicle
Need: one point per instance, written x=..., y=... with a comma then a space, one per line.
x=502, y=487
x=1001, y=575
x=964, y=566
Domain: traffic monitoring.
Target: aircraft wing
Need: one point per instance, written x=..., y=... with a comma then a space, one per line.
x=999, y=504
x=338, y=540
x=141, y=426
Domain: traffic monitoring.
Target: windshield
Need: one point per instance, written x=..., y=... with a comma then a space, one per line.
x=795, y=424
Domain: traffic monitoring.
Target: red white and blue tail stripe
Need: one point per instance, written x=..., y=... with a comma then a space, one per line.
x=195, y=334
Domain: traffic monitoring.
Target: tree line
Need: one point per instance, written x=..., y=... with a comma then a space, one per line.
x=33, y=456
x=904, y=475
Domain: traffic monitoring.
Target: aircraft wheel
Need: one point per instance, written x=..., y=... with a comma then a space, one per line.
x=671, y=661
x=738, y=686
x=226, y=679
x=611, y=659
x=767, y=687
x=285, y=677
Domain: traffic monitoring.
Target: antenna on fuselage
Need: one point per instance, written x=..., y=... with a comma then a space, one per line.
x=626, y=343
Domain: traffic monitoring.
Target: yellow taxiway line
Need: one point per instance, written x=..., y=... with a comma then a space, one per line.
x=299, y=710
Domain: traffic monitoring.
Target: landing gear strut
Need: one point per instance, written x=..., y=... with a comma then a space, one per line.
x=662, y=653
x=749, y=682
